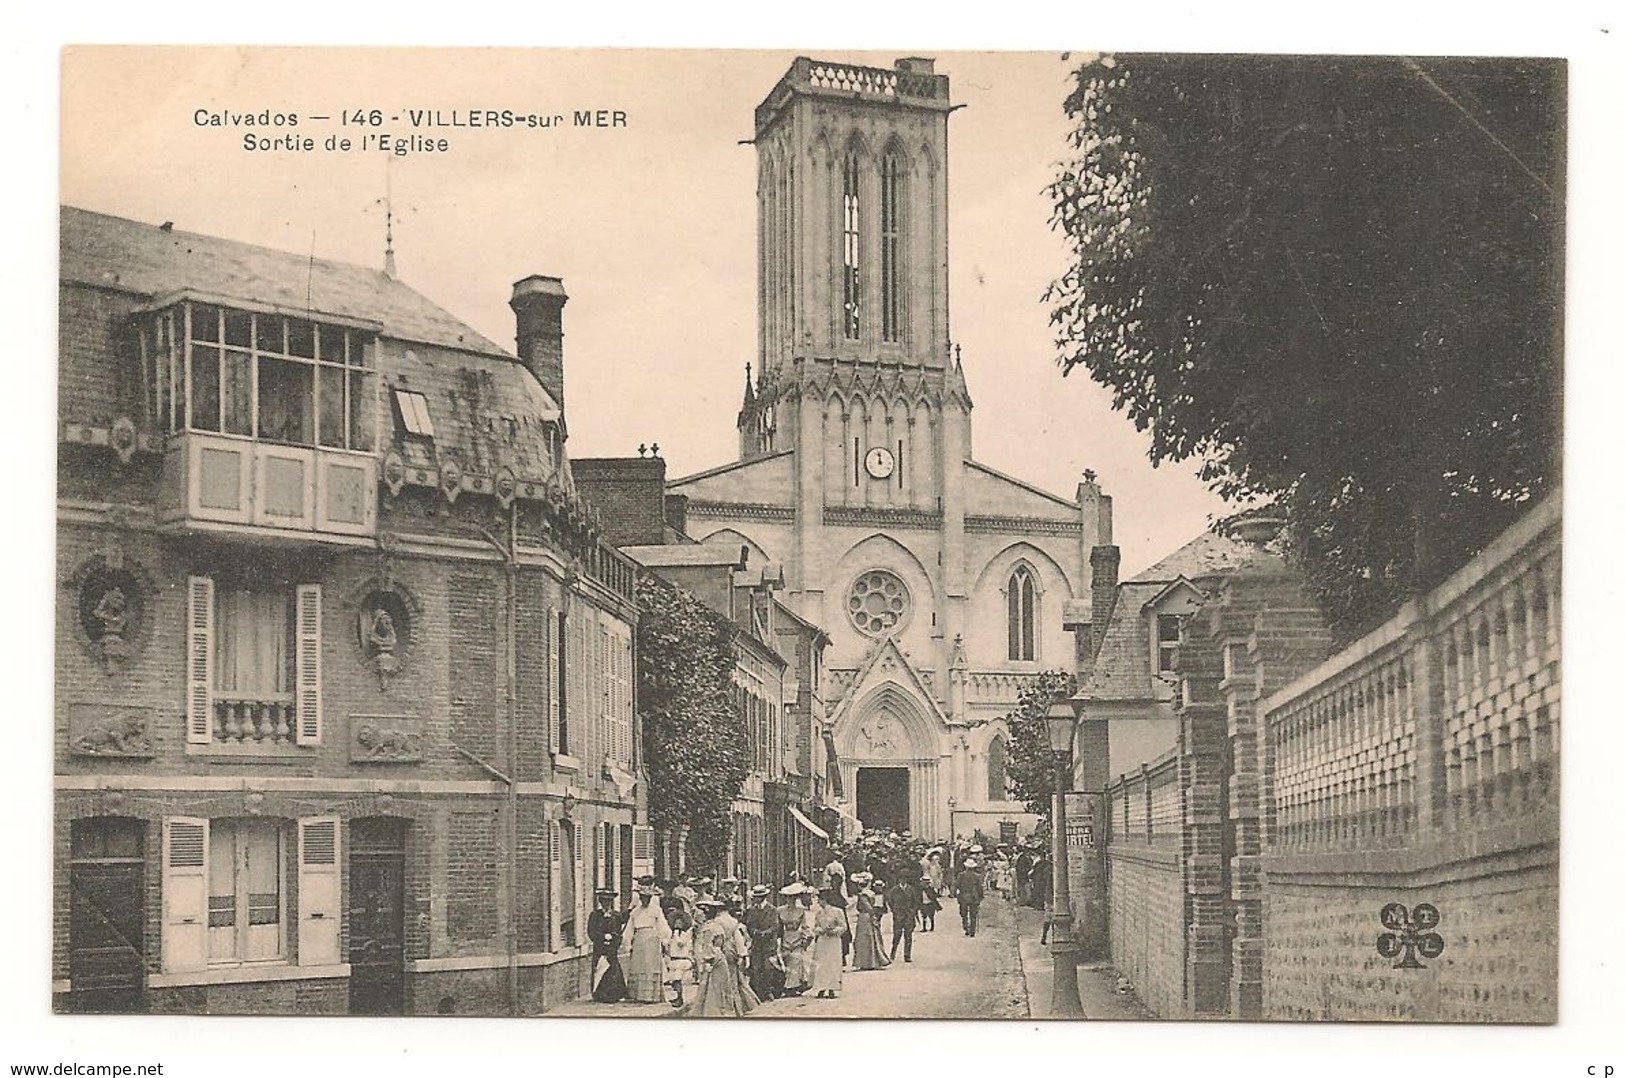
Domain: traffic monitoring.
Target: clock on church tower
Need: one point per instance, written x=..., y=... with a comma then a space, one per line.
x=879, y=462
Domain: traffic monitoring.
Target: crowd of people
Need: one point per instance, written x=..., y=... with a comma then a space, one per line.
x=736, y=945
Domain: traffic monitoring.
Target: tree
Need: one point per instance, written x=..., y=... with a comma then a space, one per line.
x=1031, y=764
x=694, y=739
x=1335, y=282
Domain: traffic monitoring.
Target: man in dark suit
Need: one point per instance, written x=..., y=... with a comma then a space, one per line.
x=904, y=899
x=969, y=885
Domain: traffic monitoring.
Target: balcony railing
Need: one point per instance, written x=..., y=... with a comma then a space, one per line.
x=217, y=480
x=258, y=719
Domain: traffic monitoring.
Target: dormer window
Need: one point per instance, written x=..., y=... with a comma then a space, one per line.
x=1170, y=631
x=272, y=377
x=413, y=409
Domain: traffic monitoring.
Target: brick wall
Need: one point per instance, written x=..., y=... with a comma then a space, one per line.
x=473, y=674
x=472, y=876
x=1148, y=925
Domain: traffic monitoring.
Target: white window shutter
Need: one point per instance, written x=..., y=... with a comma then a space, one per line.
x=614, y=883
x=308, y=664
x=643, y=851
x=552, y=681
x=186, y=894
x=199, y=659
x=597, y=859
x=580, y=847
x=319, y=916
x=555, y=933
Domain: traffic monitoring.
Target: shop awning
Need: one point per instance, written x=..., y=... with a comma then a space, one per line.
x=808, y=824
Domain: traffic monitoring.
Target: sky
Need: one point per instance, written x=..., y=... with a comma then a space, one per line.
x=651, y=226
x=649, y=293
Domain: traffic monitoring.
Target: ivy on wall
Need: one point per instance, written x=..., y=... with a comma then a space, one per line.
x=695, y=742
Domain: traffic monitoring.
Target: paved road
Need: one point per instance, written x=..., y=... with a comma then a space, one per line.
x=952, y=976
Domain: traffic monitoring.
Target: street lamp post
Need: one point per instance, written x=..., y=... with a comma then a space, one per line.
x=953, y=803
x=1061, y=724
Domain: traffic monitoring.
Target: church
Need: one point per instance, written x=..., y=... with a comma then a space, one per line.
x=942, y=583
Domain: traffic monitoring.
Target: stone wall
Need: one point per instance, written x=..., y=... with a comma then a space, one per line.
x=1147, y=924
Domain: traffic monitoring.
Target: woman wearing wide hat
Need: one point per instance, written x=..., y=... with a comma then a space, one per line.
x=605, y=927
x=796, y=937
x=649, y=935
x=867, y=953
x=720, y=950
x=829, y=926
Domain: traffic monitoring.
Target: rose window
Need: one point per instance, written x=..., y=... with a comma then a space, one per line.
x=877, y=602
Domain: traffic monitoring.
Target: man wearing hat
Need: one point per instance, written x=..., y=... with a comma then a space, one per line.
x=969, y=887
x=762, y=926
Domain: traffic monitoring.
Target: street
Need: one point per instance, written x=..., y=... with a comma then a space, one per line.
x=952, y=976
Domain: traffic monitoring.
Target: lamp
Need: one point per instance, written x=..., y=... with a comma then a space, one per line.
x=1061, y=723
x=568, y=805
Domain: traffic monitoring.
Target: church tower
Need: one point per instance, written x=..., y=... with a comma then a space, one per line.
x=943, y=584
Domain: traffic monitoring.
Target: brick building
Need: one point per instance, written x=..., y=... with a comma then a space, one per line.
x=779, y=819
x=344, y=670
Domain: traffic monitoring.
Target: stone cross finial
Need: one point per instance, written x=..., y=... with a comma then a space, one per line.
x=1088, y=475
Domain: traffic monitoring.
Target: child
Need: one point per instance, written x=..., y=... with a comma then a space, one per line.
x=680, y=952
x=930, y=903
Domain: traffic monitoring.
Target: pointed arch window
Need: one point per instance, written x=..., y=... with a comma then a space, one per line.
x=998, y=775
x=851, y=255
x=890, y=248
x=1021, y=597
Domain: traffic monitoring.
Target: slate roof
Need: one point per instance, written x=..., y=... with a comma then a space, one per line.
x=1123, y=661
x=114, y=252
x=488, y=410
x=1207, y=554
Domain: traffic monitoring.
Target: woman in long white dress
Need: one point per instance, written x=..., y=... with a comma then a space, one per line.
x=721, y=949
x=647, y=935
x=829, y=926
x=796, y=938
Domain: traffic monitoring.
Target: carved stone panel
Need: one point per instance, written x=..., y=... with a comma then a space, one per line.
x=386, y=739
x=110, y=730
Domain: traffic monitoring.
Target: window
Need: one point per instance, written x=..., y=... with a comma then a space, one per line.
x=567, y=883
x=255, y=375
x=998, y=777
x=1170, y=631
x=851, y=254
x=1021, y=599
x=414, y=412
x=247, y=915
x=890, y=249
x=877, y=602
x=253, y=663
x=226, y=899
x=107, y=838
x=561, y=674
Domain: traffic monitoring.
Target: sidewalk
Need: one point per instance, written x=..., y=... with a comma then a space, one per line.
x=1097, y=981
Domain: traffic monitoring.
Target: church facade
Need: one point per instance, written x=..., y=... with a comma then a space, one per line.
x=942, y=583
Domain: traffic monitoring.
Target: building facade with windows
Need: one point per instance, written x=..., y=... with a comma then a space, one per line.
x=943, y=583
x=782, y=818
x=344, y=680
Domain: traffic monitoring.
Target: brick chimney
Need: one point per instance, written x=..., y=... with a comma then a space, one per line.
x=538, y=309
x=1103, y=562
x=630, y=492
x=677, y=512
